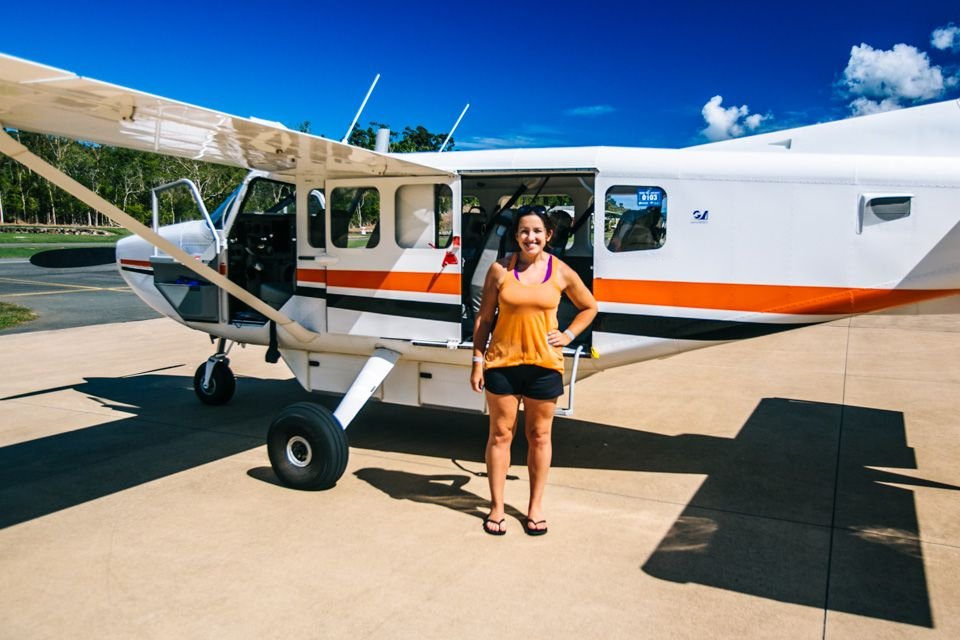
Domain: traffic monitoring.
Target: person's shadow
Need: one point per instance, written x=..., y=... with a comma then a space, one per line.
x=444, y=490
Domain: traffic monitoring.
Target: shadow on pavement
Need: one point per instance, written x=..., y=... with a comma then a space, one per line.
x=791, y=509
x=443, y=490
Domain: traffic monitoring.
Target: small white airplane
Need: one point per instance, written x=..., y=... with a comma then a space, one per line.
x=362, y=270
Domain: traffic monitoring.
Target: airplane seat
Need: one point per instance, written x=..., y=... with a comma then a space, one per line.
x=561, y=231
x=472, y=234
x=508, y=242
x=493, y=250
x=635, y=231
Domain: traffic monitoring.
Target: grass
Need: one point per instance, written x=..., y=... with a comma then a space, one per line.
x=23, y=252
x=24, y=245
x=7, y=237
x=12, y=315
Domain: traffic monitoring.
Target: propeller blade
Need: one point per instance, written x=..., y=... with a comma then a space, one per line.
x=74, y=257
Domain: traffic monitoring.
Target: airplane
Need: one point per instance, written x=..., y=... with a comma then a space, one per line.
x=362, y=269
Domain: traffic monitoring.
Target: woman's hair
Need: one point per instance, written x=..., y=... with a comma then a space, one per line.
x=531, y=210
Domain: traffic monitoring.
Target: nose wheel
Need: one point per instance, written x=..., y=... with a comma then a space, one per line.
x=214, y=382
x=219, y=387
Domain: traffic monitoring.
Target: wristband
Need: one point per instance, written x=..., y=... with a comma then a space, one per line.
x=570, y=334
x=478, y=358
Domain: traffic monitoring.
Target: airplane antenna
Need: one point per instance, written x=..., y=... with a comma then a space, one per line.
x=360, y=110
x=455, y=125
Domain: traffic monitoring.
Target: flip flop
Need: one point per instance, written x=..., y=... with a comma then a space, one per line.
x=500, y=530
x=530, y=527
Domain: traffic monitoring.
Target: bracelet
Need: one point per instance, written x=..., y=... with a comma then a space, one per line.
x=570, y=334
x=478, y=358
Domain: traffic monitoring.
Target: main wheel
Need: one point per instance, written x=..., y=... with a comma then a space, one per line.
x=222, y=384
x=307, y=447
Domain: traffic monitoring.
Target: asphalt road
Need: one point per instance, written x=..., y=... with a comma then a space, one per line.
x=64, y=298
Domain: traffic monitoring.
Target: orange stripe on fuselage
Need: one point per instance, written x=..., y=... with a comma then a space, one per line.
x=385, y=280
x=760, y=298
x=312, y=275
x=136, y=263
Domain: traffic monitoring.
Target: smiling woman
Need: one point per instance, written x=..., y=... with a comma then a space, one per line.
x=12, y=315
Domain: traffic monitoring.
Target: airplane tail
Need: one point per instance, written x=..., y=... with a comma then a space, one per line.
x=928, y=130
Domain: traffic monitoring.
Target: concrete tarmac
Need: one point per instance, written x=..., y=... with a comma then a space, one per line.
x=801, y=485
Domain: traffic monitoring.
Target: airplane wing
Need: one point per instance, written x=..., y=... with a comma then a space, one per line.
x=42, y=99
x=928, y=130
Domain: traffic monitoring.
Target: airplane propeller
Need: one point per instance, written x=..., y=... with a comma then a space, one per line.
x=74, y=257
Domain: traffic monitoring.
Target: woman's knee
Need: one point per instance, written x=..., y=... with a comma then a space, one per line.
x=538, y=437
x=501, y=435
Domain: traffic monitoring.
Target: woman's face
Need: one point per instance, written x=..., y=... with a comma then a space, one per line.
x=532, y=235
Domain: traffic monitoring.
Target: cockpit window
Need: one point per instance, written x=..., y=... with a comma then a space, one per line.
x=270, y=197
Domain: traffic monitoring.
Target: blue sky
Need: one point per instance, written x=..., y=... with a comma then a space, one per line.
x=536, y=74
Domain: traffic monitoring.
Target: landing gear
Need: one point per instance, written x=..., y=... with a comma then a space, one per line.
x=214, y=382
x=307, y=447
x=307, y=444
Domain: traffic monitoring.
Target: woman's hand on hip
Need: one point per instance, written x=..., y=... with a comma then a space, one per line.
x=558, y=338
x=476, y=377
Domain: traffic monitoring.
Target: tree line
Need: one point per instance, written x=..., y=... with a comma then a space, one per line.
x=125, y=177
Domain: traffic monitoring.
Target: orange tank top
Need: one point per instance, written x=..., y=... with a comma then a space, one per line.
x=526, y=313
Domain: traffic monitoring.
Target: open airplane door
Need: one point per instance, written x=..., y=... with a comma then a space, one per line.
x=396, y=249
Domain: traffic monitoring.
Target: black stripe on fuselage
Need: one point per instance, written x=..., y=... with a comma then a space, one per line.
x=688, y=328
x=145, y=272
x=436, y=311
x=311, y=292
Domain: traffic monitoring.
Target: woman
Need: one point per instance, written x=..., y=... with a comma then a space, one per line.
x=525, y=357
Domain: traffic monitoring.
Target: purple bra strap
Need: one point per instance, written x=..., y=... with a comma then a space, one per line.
x=545, y=278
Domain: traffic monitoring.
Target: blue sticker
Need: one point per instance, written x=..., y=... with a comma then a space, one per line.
x=649, y=198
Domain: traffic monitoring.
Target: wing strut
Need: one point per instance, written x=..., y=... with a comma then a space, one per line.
x=18, y=152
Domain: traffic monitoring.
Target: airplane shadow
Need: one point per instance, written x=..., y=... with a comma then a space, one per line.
x=791, y=509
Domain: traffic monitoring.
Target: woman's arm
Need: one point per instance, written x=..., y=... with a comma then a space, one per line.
x=581, y=297
x=483, y=323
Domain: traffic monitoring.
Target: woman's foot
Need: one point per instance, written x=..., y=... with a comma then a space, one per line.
x=535, y=527
x=494, y=527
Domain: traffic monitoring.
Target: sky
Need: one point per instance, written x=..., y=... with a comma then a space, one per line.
x=536, y=74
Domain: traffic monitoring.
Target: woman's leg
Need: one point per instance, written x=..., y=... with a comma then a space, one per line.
x=503, y=421
x=538, y=421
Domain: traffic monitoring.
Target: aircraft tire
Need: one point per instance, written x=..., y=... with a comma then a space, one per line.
x=222, y=384
x=308, y=448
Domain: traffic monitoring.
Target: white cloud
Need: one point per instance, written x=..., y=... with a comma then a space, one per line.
x=592, y=110
x=497, y=142
x=881, y=80
x=866, y=106
x=730, y=122
x=947, y=37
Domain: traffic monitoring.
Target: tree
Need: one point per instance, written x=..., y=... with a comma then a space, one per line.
x=411, y=139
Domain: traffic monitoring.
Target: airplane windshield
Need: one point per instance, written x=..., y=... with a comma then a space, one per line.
x=218, y=214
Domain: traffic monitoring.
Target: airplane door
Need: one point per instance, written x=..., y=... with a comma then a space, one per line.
x=396, y=246
x=629, y=240
x=312, y=257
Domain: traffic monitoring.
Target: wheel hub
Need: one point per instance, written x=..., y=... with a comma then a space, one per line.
x=299, y=451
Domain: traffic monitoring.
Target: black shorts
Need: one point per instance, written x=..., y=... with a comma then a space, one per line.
x=527, y=380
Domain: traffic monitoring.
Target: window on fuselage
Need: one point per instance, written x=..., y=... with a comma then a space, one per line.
x=635, y=218
x=355, y=217
x=317, y=219
x=424, y=216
